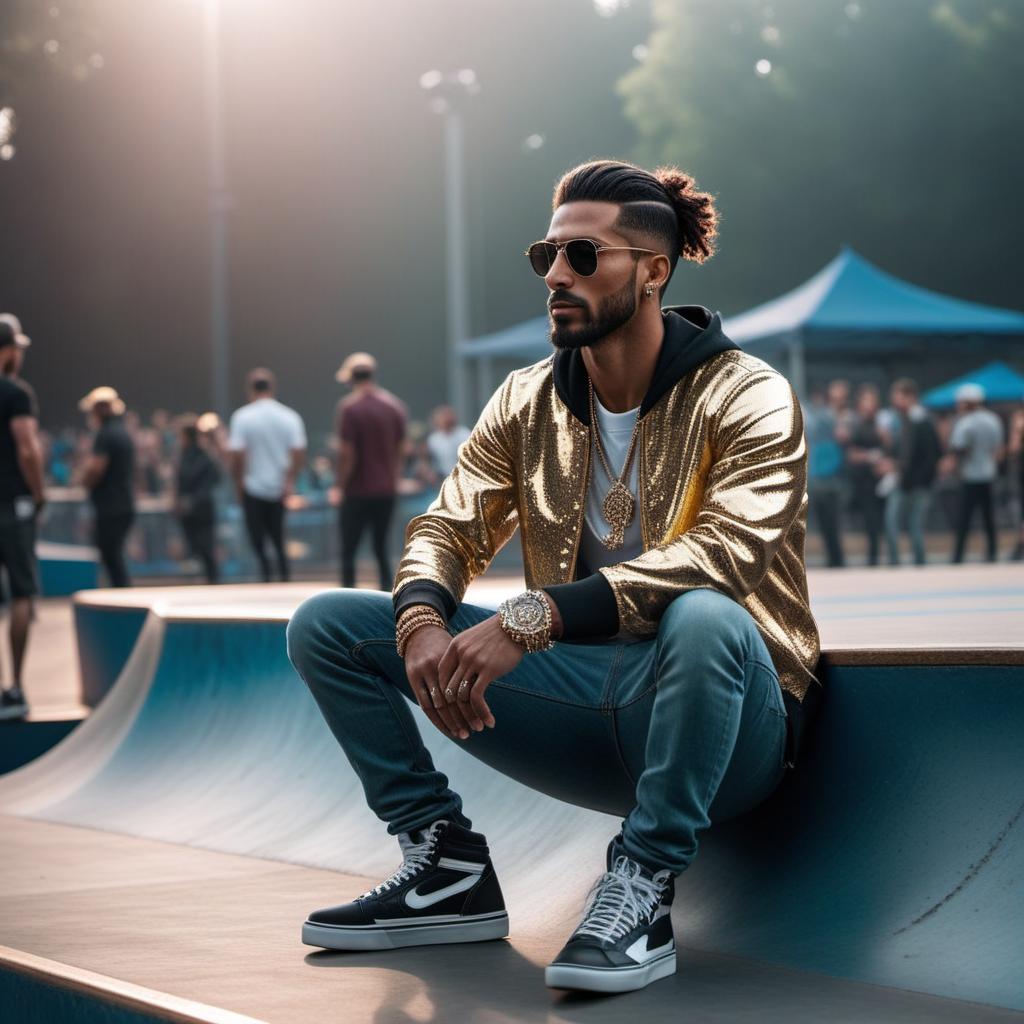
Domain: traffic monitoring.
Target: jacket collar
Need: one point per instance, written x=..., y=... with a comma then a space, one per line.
x=693, y=334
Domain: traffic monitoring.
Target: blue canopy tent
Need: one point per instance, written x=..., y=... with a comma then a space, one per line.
x=1001, y=384
x=851, y=307
x=523, y=343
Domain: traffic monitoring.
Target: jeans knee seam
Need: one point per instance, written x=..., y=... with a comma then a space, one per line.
x=613, y=718
x=356, y=649
x=607, y=698
x=639, y=696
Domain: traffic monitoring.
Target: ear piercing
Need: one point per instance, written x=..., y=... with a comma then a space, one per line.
x=648, y=290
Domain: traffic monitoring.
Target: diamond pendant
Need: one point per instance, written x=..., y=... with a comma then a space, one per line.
x=618, y=510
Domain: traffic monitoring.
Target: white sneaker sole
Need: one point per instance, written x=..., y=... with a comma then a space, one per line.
x=610, y=979
x=477, y=928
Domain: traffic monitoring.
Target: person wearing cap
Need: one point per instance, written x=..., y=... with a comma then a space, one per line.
x=21, y=499
x=977, y=442
x=266, y=449
x=108, y=477
x=371, y=425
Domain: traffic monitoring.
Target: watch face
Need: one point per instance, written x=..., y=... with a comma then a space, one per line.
x=527, y=614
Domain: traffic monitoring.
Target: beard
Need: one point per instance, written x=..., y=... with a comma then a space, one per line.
x=614, y=312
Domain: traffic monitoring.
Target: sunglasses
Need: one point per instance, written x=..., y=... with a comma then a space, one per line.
x=580, y=254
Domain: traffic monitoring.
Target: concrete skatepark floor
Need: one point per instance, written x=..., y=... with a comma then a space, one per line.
x=224, y=930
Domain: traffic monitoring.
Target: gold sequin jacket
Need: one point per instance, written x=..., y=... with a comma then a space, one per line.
x=722, y=500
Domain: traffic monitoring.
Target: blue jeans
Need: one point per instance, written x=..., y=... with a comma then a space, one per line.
x=914, y=504
x=671, y=732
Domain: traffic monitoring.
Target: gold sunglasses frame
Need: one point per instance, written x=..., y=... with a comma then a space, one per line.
x=598, y=249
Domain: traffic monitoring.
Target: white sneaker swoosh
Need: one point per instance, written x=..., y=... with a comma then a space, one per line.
x=640, y=953
x=418, y=902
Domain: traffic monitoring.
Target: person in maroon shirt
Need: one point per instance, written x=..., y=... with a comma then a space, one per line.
x=371, y=424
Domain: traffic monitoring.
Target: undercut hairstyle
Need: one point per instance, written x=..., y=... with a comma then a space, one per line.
x=665, y=206
x=261, y=381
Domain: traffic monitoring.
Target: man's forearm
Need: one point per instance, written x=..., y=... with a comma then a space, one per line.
x=346, y=464
x=30, y=462
x=295, y=464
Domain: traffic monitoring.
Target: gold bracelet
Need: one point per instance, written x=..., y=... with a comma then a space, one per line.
x=412, y=622
x=415, y=610
x=402, y=642
x=423, y=615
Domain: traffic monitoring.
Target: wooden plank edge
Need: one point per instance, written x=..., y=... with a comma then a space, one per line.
x=124, y=994
x=879, y=657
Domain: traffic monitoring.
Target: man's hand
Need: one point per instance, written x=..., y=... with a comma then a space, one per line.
x=478, y=655
x=423, y=652
x=437, y=663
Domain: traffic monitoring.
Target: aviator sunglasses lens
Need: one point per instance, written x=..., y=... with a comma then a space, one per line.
x=542, y=255
x=580, y=252
x=582, y=256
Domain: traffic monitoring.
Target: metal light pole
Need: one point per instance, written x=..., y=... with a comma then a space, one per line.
x=220, y=204
x=447, y=92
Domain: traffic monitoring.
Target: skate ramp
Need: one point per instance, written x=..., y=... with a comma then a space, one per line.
x=893, y=856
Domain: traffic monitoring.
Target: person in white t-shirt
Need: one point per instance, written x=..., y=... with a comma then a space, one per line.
x=267, y=447
x=444, y=440
x=977, y=442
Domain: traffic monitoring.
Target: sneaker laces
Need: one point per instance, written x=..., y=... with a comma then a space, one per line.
x=621, y=897
x=416, y=856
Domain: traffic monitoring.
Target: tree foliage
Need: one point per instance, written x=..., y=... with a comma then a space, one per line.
x=895, y=127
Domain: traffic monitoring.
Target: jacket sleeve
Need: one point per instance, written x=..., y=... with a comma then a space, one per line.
x=473, y=516
x=755, y=489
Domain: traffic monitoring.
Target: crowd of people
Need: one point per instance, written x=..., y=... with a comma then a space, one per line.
x=879, y=466
x=882, y=466
x=196, y=463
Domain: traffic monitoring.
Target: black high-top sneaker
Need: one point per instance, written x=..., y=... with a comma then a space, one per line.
x=445, y=891
x=624, y=940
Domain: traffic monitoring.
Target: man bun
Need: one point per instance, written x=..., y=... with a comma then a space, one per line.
x=695, y=213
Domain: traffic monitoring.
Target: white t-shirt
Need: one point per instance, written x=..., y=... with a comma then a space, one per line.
x=267, y=432
x=444, y=448
x=616, y=429
x=980, y=431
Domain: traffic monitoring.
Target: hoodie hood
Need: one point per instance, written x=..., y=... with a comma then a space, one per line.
x=693, y=334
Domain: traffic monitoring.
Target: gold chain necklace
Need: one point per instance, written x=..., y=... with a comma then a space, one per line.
x=619, y=503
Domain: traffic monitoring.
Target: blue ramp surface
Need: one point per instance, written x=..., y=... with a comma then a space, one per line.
x=893, y=856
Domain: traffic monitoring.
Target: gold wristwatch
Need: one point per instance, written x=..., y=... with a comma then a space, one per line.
x=526, y=618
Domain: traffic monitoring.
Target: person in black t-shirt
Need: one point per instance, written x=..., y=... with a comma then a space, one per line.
x=21, y=499
x=864, y=454
x=108, y=477
x=197, y=479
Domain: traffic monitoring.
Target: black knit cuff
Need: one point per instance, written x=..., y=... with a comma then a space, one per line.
x=425, y=592
x=587, y=607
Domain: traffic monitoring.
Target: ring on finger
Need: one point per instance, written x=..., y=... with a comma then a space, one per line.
x=449, y=696
x=463, y=689
x=433, y=694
